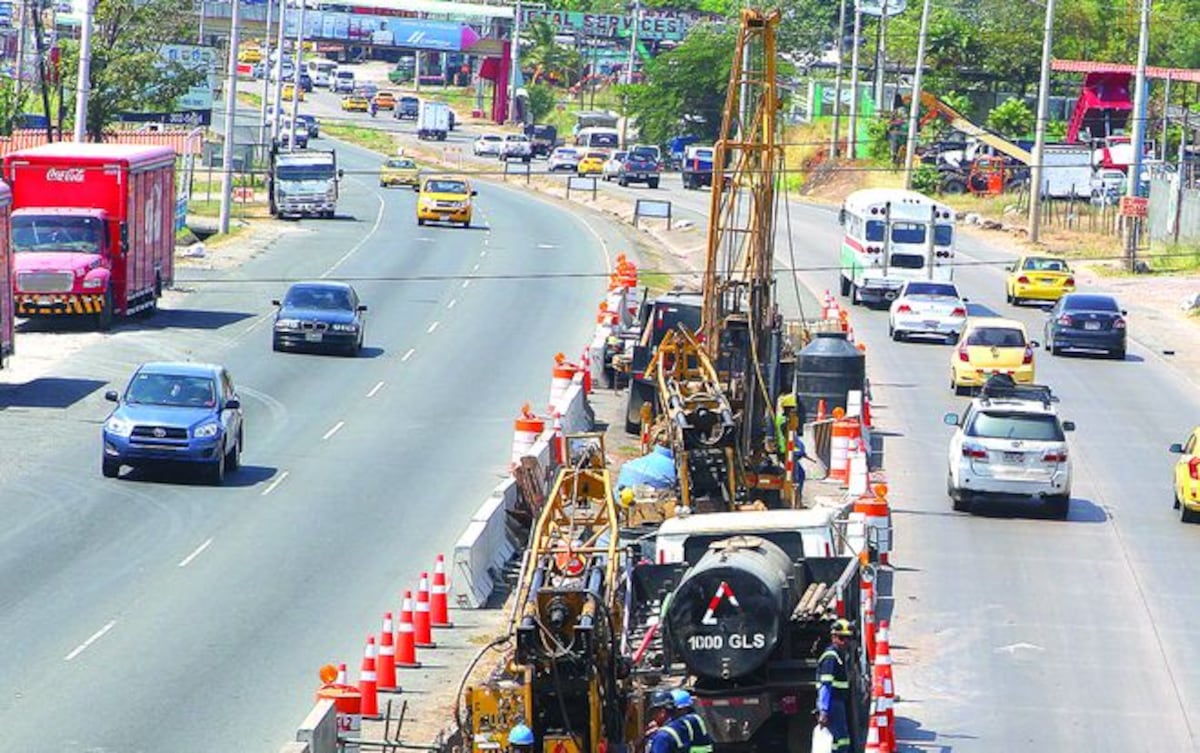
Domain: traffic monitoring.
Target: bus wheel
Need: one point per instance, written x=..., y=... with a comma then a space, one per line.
x=104, y=317
x=845, y=286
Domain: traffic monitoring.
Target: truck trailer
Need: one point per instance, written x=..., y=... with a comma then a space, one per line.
x=93, y=228
x=7, y=312
x=433, y=121
x=304, y=184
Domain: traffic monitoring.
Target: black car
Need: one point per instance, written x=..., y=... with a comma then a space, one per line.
x=1086, y=321
x=305, y=82
x=638, y=167
x=323, y=316
x=310, y=122
x=407, y=108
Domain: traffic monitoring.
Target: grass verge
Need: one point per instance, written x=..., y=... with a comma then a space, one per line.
x=239, y=210
x=368, y=138
x=250, y=99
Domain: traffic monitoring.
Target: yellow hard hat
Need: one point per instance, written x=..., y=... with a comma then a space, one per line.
x=626, y=497
x=787, y=401
x=842, y=628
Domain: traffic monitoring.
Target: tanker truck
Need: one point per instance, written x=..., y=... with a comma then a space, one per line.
x=742, y=620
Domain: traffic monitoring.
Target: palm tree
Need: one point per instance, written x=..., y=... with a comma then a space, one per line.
x=546, y=56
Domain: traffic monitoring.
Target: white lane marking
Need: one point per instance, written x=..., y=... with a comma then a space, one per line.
x=408, y=355
x=95, y=637
x=466, y=283
x=475, y=268
x=336, y=428
x=425, y=240
x=485, y=240
x=188, y=559
x=452, y=303
x=361, y=243
x=257, y=322
x=482, y=254
x=271, y=487
x=546, y=245
x=375, y=390
x=432, y=327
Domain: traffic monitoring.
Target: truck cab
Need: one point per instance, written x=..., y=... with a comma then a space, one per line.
x=304, y=183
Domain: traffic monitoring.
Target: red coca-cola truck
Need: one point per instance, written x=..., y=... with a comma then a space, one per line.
x=93, y=230
x=6, y=292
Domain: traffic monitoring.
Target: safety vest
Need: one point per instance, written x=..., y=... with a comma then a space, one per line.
x=832, y=670
x=697, y=731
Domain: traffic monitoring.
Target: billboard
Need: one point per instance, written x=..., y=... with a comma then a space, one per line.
x=194, y=107
x=389, y=31
x=655, y=25
x=876, y=7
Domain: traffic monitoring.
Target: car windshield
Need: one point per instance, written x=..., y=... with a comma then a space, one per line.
x=304, y=172
x=1034, y=427
x=931, y=288
x=565, y=153
x=317, y=297
x=491, y=138
x=620, y=156
x=638, y=157
x=996, y=337
x=597, y=155
x=57, y=233
x=1091, y=303
x=1045, y=265
x=406, y=164
x=172, y=389
x=446, y=186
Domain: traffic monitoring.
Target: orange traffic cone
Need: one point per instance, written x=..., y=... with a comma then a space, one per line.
x=367, y=682
x=439, y=606
x=882, y=672
x=821, y=410
x=872, y=745
x=406, y=647
x=868, y=610
x=341, y=675
x=586, y=362
x=422, y=633
x=386, y=669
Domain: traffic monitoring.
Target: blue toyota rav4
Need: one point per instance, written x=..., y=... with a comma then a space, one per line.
x=175, y=413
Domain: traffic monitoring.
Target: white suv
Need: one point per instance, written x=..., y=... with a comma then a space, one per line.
x=1010, y=443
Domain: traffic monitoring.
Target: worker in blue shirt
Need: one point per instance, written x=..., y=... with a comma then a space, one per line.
x=661, y=736
x=689, y=723
x=520, y=739
x=833, y=687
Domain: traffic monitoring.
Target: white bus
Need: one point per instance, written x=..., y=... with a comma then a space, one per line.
x=598, y=138
x=321, y=71
x=887, y=242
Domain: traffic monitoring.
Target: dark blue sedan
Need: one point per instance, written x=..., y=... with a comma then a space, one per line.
x=175, y=413
x=1086, y=321
x=321, y=316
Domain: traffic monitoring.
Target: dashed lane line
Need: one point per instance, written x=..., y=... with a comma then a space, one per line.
x=375, y=390
x=453, y=302
x=408, y=355
x=274, y=484
x=336, y=428
x=432, y=328
x=95, y=637
x=196, y=553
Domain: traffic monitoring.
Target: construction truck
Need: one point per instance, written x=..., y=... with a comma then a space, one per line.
x=304, y=183
x=744, y=618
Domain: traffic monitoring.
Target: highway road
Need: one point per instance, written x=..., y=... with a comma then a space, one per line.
x=157, y=613
x=1012, y=631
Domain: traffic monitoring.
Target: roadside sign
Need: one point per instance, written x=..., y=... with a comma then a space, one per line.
x=876, y=7
x=1134, y=206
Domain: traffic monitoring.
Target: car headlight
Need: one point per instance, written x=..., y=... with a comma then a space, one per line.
x=117, y=426
x=339, y=327
x=287, y=324
x=92, y=283
x=205, y=431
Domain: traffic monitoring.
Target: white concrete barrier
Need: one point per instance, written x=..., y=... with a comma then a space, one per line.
x=319, y=728
x=295, y=748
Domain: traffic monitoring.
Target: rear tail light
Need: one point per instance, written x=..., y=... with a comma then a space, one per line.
x=1118, y=323
x=1028, y=359
x=904, y=308
x=1194, y=469
x=658, y=320
x=874, y=249
x=1023, y=280
x=1066, y=320
x=1055, y=456
x=959, y=311
x=962, y=355
x=1070, y=282
x=974, y=451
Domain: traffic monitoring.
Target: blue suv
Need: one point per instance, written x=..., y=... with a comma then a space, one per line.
x=175, y=413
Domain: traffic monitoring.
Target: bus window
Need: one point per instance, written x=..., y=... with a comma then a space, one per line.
x=907, y=261
x=908, y=232
x=875, y=231
x=943, y=235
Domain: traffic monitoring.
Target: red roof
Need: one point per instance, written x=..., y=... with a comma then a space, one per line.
x=1152, y=71
x=133, y=154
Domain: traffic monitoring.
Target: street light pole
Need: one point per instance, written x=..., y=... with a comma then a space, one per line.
x=633, y=40
x=1139, y=135
x=837, y=81
x=914, y=108
x=1039, y=138
x=514, y=63
x=296, y=71
x=277, y=96
x=84, y=83
x=881, y=58
x=203, y=12
x=266, y=88
x=230, y=113
x=852, y=137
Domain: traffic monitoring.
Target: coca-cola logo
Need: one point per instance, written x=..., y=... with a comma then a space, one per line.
x=69, y=175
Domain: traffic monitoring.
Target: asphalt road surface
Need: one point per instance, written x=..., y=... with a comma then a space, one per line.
x=155, y=613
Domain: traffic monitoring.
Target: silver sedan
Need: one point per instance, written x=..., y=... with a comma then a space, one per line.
x=924, y=308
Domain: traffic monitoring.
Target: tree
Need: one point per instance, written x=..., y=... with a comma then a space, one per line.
x=541, y=101
x=685, y=88
x=128, y=73
x=1012, y=118
x=546, y=56
x=11, y=105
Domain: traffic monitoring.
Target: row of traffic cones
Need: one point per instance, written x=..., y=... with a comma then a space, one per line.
x=881, y=730
x=398, y=643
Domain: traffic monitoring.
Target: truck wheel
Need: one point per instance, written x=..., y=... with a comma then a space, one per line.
x=654, y=183
x=104, y=318
x=845, y=286
x=110, y=468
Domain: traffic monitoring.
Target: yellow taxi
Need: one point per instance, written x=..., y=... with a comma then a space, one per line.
x=355, y=103
x=288, y=90
x=399, y=171
x=1038, y=278
x=592, y=163
x=444, y=199
x=991, y=345
x=1187, y=478
x=250, y=55
x=385, y=101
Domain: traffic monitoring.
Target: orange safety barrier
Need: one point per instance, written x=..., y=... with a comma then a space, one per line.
x=559, y=441
x=526, y=430
x=882, y=674
x=867, y=595
x=878, y=515
x=561, y=376
x=846, y=431
x=347, y=700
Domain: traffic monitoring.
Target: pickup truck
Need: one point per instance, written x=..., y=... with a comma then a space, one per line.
x=516, y=146
x=697, y=167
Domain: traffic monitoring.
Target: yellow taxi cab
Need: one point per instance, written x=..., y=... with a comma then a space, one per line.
x=287, y=91
x=355, y=103
x=1187, y=478
x=399, y=171
x=444, y=199
x=385, y=101
x=1038, y=278
x=250, y=55
x=991, y=345
x=592, y=163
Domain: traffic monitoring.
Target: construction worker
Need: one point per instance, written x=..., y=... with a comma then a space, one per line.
x=689, y=723
x=833, y=687
x=661, y=736
x=520, y=739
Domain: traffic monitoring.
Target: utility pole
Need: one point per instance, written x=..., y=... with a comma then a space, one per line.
x=84, y=82
x=1134, y=224
x=880, y=58
x=39, y=39
x=277, y=96
x=1165, y=114
x=296, y=71
x=22, y=10
x=203, y=9
x=914, y=108
x=1039, y=138
x=230, y=113
x=852, y=137
x=837, y=82
x=263, y=135
x=1179, y=176
x=514, y=57
x=633, y=40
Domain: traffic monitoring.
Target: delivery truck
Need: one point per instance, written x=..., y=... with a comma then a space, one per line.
x=92, y=230
x=433, y=121
x=304, y=184
x=7, y=312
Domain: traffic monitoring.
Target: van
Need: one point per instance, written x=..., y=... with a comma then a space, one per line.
x=321, y=72
x=343, y=80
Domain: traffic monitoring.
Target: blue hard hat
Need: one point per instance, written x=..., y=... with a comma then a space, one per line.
x=682, y=698
x=661, y=699
x=520, y=735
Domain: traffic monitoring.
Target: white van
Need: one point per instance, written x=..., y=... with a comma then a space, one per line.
x=321, y=72
x=343, y=80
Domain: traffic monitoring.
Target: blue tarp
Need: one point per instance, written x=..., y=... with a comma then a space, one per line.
x=656, y=470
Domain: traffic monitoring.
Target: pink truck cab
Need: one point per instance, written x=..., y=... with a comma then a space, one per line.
x=92, y=228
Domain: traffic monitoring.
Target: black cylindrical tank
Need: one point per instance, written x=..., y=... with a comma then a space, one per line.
x=726, y=615
x=826, y=369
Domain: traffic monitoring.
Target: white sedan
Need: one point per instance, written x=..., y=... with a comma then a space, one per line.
x=927, y=308
x=489, y=144
x=613, y=165
x=564, y=158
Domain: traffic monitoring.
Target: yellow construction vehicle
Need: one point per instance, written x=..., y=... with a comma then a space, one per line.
x=561, y=677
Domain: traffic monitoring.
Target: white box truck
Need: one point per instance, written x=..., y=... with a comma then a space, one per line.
x=433, y=121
